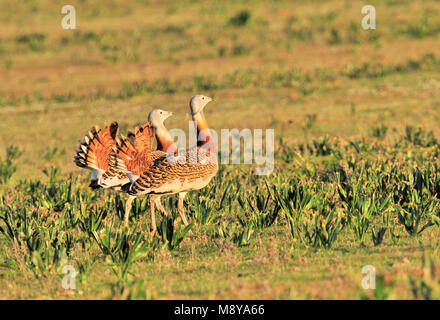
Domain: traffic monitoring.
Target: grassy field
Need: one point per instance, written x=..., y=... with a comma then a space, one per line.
x=356, y=179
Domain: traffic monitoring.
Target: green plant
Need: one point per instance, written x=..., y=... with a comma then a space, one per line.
x=335, y=37
x=91, y=218
x=7, y=166
x=134, y=290
x=240, y=19
x=49, y=260
x=428, y=285
x=243, y=238
x=320, y=147
x=139, y=207
x=378, y=232
x=413, y=214
x=419, y=137
x=380, y=132
x=426, y=26
x=263, y=210
x=382, y=291
x=57, y=195
x=313, y=216
x=123, y=248
x=319, y=226
x=205, y=204
x=361, y=205
x=53, y=153
x=224, y=229
x=228, y=231
x=171, y=238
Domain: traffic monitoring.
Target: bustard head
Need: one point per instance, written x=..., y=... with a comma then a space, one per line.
x=158, y=116
x=198, y=102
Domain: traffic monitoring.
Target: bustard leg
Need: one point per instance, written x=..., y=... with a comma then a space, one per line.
x=159, y=205
x=128, y=205
x=181, y=209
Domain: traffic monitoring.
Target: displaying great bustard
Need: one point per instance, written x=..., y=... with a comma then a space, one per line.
x=165, y=144
x=191, y=169
x=99, y=147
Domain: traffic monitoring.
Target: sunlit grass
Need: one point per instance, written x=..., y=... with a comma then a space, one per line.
x=356, y=179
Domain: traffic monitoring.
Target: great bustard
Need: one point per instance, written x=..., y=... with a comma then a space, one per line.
x=99, y=147
x=191, y=169
x=164, y=144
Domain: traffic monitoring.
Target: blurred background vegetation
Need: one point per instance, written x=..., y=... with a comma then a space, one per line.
x=267, y=64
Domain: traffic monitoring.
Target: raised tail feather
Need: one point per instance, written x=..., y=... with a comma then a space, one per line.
x=135, y=150
x=93, y=151
x=130, y=157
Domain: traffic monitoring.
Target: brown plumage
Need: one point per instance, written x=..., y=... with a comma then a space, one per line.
x=102, y=150
x=192, y=172
x=191, y=169
x=99, y=148
x=93, y=151
x=164, y=177
x=135, y=151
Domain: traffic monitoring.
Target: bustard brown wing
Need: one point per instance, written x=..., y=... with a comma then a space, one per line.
x=187, y=173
